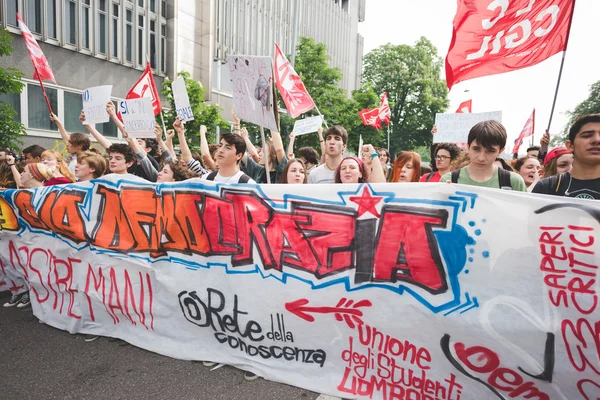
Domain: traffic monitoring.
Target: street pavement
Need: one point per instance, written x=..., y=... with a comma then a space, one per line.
x=40, y=362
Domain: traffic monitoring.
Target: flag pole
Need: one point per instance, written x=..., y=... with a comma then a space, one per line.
x=265, y=155
x=325, y=122
x=43, y=90
x=162, y=116
x=562, y=63
x=388, y=136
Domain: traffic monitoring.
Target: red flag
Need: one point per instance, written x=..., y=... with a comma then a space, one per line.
x=465, y=107
x=145, y=87
x=42, y=70
x=502, y=36
x=294, y=94
x=385, y=114
x=370, y=117
x=528, y=130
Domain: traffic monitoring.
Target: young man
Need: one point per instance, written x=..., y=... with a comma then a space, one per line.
x=75, y=142
x=336, y=140
x=533, y=151
x=445, y=153
x=583, y=181
x=232, y=148
x=120, y=158
x=485, y=143
x=309, y=157
x=32, y=154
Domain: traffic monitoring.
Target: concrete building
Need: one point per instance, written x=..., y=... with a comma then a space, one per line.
x=98, y=42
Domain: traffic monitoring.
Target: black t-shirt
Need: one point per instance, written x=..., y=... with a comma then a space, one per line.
x=137, y=170
x=567, y=186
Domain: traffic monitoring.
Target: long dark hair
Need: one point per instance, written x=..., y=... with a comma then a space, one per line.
x=283, y=178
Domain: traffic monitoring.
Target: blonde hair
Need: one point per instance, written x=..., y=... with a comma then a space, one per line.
x=61, y=165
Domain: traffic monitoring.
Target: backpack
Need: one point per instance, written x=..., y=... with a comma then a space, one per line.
x=557, y=182
x=243, y=179
x=429, y=176
x=503, y=178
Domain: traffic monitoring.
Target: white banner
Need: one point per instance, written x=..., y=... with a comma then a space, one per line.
x=182, y=101
x=454, y=128
x=389, y=291
x=307, y=125
x=252, y=87
x=94, y=104
x=138, y=117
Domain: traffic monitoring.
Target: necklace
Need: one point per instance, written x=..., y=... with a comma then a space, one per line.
x=567, y=193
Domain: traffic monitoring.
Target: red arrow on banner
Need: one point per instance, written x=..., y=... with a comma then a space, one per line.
x=343, y=310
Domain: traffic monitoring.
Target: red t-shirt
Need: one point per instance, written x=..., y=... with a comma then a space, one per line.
x=436, y=177
x=57, y=181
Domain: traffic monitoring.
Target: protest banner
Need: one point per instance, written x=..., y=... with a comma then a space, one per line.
x=182, y=100
x=307, y=125
x=454, y=128
x=94, y=102
x=138, y=117
x=253, y=92
x=388, y=291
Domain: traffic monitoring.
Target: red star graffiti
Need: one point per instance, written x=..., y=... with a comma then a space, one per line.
x=366, y=203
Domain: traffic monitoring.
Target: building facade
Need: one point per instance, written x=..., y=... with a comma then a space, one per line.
x=108, y=42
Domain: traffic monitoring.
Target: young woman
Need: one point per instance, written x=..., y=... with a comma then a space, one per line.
x=558, y=161
x=528, y=167
x=407, y=167
x=62, y=174
x=89, y=166
x=174, y=172
x=294, y=172
x=354, y=170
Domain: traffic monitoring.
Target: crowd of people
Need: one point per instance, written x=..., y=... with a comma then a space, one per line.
x=571, y=170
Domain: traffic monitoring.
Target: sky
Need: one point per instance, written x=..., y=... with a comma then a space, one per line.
x=517, y=93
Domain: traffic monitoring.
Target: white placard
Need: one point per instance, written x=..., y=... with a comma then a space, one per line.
x=182, y=100
x=138, y=117
x=307, y=125
x=454, y=128
x=94, y=101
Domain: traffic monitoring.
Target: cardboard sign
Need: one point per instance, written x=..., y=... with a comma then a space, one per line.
x=253, y=91
x=382, y=291
x=307, y=125
x=182, y=101
x=138, y=117
x=454, y=128
x=94, y=104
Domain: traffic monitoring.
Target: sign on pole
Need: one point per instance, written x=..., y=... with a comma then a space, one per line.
x=138, y=117
x=94, y=104
x=454, y=128
x=252, y=87
x=307, y=125
x=182, y=100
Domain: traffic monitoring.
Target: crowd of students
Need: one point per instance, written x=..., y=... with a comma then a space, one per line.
x=572, y=170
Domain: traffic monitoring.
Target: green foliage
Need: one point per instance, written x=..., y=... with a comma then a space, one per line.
x=204, y=114
x=591, y=105
x=11, y=130
x=411, y=77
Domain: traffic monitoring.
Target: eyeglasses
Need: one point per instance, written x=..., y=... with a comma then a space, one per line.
x=441, y=158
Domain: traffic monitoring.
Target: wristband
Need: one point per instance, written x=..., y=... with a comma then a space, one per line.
x=374, y=155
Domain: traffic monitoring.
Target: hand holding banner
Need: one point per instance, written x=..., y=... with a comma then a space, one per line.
x=138, y=117
x=94, y=104
x=307, y=125
x=182, y=100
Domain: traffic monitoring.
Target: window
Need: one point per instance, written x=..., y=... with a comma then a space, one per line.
x=140, y=40
x=37, y=108
x=85, y=24
x=102, y=31
x=73, y=104
x=51, y=19
x=115, y=31
x=34, y=16
x=163, y=8
x=163, y=48
x=153, y=6
x=71, y=22
x=141, y=3
x=129, y=37
x=12, y=8
x=14, y=99
x=153, y=44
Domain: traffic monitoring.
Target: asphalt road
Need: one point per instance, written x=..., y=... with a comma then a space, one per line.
x=41, y=362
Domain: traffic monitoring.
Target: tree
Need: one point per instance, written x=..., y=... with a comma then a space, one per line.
x=411, y=77
x=591, y=105
x=10, y=82
x=204, y=114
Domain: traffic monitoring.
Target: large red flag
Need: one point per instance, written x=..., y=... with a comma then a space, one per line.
x=42, y=70
x=528, y=130
x=370, y=117
x=465, y=107
x=293, y=92
x=145, y=87
x=492, y=37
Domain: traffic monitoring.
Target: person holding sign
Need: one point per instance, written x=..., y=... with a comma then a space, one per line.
x=75, y=142
x=486, y=141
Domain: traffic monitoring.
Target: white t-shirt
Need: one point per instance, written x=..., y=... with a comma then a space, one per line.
x=227, y=179
x=73, y=163
x=321, y=174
